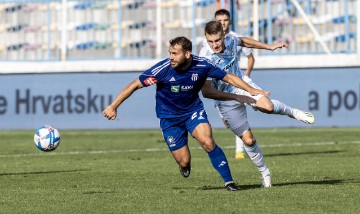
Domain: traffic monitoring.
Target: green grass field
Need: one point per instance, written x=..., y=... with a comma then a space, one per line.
x=131, y=171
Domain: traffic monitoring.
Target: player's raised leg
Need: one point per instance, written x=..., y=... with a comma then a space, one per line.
x=277, y=107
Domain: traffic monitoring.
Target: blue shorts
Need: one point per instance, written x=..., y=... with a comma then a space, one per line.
x=175, y=129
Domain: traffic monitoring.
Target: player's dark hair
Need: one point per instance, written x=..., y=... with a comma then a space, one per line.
x=222, y=12
x=184, y=42
x=213, y=27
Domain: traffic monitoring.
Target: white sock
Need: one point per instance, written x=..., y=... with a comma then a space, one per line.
x=281, y=108
x=254, y=153
x=239, y=145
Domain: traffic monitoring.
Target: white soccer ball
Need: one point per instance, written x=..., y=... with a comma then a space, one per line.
x=47, y=138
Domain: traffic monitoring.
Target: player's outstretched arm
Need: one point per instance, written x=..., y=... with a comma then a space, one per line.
x=251, y=43
x=110, y=112
x=211, y=93
x=238, y=82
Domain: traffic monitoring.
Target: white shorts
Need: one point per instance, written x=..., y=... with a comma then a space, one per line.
x=234, y=115
x=235, y=118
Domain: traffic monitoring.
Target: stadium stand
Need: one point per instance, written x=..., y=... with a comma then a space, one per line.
x=127, y=29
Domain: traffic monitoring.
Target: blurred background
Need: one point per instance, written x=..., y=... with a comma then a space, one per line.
x=62, y=62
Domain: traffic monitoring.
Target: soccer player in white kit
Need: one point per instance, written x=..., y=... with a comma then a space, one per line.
x=222, y=50
x=223, y=16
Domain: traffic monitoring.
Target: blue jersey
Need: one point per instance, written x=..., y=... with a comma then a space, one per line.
x=177, y=92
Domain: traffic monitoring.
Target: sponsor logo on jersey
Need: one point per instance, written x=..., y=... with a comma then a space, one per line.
x=171, y=141
x=194, y=77
x=150, y=81
x=186, y=87
x=175, y=88
x=172, y=79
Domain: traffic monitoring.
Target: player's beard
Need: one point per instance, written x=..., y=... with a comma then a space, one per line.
x=182, y=64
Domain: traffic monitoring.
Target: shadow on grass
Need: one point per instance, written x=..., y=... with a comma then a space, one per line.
x=257, y=186
x=44, y=172
x=303, y=153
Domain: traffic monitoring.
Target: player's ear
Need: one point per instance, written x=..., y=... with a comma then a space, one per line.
x=188, y=54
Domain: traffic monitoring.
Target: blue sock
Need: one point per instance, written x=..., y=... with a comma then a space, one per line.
x=220, y=163
x=281, y=108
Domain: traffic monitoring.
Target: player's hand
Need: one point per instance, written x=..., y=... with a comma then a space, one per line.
x=245, y=99
x=110, y=113
x=278, y=45
x=259, y=91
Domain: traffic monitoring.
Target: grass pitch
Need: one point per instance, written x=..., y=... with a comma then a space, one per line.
x=131, y=171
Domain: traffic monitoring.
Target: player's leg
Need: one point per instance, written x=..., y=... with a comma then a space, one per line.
x=200, y=129
x=239, y=145
x=255, y=154
x=277, y=107
x=265, y=105
x=176, y=138
x=183, y=158
x=237, y=120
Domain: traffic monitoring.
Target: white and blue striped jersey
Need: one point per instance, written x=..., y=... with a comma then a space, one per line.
x=228, y=61
x=177, y=92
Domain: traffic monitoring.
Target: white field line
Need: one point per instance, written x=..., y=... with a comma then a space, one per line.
x=165, y=149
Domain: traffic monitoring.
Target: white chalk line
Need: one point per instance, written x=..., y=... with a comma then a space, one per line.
x=166, y=149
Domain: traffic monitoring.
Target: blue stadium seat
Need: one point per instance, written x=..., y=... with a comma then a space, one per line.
x=342, y=38
x=204, y=3
x=342, y=19
x=86, y=26
x=82, y=6
x=85, y=45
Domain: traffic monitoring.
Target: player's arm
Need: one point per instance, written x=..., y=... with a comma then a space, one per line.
x=211, y=93
x=238, y=82
x=251, y=43
x=110, y=112
x=250, y=66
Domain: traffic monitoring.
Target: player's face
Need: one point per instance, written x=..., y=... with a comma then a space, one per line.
x=178, y=57
x=225, y=22
x=216, y=42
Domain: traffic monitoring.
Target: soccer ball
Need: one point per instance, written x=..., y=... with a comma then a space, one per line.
x=47, y=138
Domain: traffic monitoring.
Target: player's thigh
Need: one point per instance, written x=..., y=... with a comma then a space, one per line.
x=233, y=116
x=199, y=127
x=175, y=133
x=203, y=134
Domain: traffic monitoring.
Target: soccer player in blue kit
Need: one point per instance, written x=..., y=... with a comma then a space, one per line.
x=179, y=79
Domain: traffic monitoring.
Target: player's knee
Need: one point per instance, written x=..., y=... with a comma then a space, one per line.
x=208, y=145
x=248, y=141
x=267, y=108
